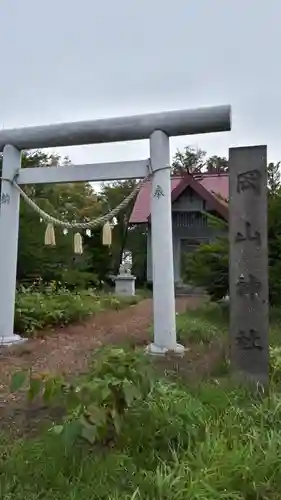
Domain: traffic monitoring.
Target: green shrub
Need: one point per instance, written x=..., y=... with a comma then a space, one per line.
x=193, y=328
x=96, y=404
x=74, y=279
x=207, y=267
x=37, y=310
x=59, y=306
x=275, y=363
x=202, y=325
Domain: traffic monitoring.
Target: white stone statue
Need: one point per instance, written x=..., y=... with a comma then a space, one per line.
x=125, y=268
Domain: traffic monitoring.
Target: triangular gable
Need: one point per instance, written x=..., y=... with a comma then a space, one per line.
x=210, y=198
x=213, y=202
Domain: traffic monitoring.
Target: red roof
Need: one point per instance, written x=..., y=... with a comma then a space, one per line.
x=206, y=185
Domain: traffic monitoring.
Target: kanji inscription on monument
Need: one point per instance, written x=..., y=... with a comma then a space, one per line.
x=249, y=340
x=248, y=234
x=252, y=287
x=248, y=274
x=250, y=180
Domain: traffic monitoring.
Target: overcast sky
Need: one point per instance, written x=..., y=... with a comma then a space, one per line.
x=69, y=60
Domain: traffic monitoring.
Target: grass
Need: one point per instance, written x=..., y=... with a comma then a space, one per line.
x=203, y=326
x=212, y=442
x=200, y=326
x=206, y=442
x=36, y=310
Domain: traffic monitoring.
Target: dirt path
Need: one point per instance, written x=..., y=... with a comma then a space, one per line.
x=67, y=350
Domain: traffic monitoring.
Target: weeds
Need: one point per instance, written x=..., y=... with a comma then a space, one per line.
x=202, y=326
x=95, y=405
x=211, y=441
x=36, y=310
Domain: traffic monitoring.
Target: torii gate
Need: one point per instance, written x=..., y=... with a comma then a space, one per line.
x=157, y=128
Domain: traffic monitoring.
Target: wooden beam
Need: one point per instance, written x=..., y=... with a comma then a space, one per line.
x=98, y=172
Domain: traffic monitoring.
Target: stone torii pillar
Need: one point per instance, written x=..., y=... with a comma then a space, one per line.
x=157, y=127
x=162, y=248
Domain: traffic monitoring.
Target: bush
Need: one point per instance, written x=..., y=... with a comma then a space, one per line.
x=195, y=326
x=203, y=325
x=274, y=248
x=207, y=267
x=36, y=310
x=96, y=404
x=74, y=279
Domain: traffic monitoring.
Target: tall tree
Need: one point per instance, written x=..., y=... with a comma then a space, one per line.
x=111, y=195
x=189, y=161
x=273, y=176
x=216, y=164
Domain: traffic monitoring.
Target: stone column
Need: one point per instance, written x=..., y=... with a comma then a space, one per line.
x=162, y=248
x=248, y=276
x=9, y=229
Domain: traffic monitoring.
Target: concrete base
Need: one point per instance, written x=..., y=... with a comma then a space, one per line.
x=156, y=350
x=125, y=285
x=12, y=340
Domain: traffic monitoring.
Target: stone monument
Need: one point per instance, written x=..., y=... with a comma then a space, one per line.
x=248, y=271
x=125, y=281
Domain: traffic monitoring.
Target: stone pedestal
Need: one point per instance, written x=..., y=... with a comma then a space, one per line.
x=125, y=285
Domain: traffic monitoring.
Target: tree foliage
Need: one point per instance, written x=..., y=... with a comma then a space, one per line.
x=75, y=202
x=192, y=160
x=208, y=266
x=216, y=164
x=189, y=161
x=70, y=202
x=112, y=194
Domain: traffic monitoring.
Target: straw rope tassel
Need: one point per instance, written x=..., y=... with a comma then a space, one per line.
x=51, y=221
x=107, y=234
x=50, y=238
x=78, y=244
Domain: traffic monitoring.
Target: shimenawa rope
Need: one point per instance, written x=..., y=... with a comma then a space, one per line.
x=102, y=220
x=81, y=225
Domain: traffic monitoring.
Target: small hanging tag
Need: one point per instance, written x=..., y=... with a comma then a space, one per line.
x=50, y=238
x=107, y=234
x=78, y=244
